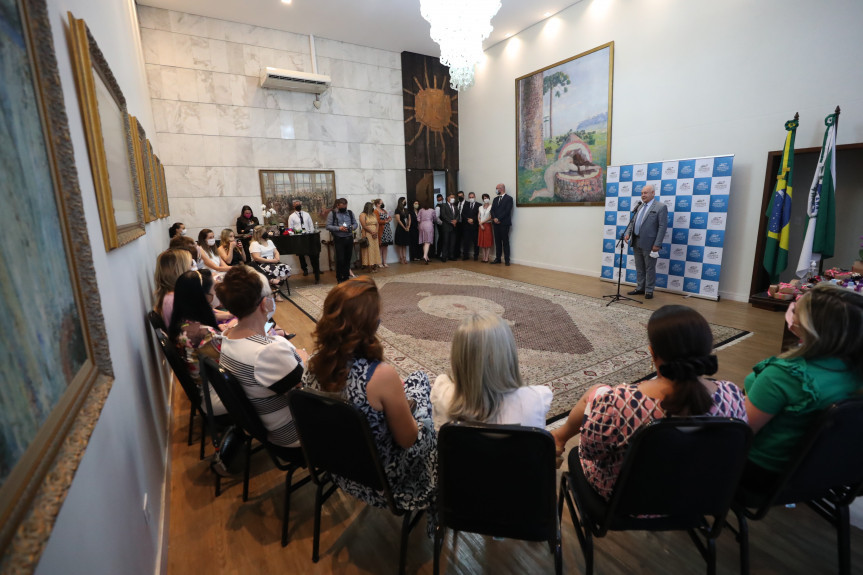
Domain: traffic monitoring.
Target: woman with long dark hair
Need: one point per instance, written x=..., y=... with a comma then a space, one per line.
x=681, y=345
x=350, y=361
x=403, y=229
x=193, y=327
x=209, y=254
x=247, y=221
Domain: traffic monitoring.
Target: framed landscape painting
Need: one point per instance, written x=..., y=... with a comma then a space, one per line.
x=563, y=131
x=315, y=188
x=55, y=367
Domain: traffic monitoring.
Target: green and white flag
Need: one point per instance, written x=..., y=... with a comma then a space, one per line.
x=821, y=208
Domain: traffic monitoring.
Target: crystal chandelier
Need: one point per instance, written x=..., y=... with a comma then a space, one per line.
x=459, y=27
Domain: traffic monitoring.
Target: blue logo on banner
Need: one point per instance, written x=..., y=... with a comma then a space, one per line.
x=654, y=171
x=625, y=173
x=679, y=236
x=608, y=246
x=623, y=204
x=631, y=276
x=620, y=230
x=685, y=169
x=661, y=280
x=715, y=238
x=607, y=272
x=610, y=218
x=617, y=260
x=695, y=254
x=636, y=188
x=702, y=186
x=664, y=251
x=718, y=203
x=691, y=285
x=668, y=188
x=611, y=189
x=722, y=166
x=630, y=250
x=682, y=203
x=698, y=221
x=670, y=219
x=710, y=272
x=676, y=268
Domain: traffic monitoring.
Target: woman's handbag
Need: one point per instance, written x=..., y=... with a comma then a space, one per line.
x=364, y=242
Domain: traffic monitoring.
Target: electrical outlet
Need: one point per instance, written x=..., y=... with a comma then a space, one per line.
x=146, y=509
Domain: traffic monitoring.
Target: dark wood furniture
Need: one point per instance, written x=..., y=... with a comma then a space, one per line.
x=299, y=244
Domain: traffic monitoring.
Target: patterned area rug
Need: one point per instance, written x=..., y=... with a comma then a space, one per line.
x=566, y=341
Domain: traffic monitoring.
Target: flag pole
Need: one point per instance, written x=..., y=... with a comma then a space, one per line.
x=835, y=123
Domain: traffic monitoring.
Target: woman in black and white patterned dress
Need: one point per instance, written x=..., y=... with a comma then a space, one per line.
x=265, y=258
x=350, y=362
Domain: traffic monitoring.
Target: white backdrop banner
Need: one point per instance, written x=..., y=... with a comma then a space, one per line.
x=696, y=192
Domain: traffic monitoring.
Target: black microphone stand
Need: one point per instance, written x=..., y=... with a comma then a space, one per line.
x=621, y=243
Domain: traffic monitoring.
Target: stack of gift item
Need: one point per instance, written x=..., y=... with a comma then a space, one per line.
x=849, y=279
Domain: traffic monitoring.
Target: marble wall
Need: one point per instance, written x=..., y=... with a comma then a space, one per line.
x=216, y=127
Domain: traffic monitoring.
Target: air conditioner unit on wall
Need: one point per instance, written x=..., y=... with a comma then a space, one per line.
x=293, y=80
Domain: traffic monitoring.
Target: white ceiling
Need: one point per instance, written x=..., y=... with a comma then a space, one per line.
x=394, y=25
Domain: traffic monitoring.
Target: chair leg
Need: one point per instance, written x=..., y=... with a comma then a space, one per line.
x=582, y=530
x=203, y=435
x=287, y=510
x=316, y=542
x=406, y=531
x=743, y=539
x=439, y=537
x=191, y=423
x=247, y=470
x=711, y=556
x=558, y=553
x=843, y=539
x=218, y=484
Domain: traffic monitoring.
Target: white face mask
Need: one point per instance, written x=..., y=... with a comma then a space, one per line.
x=485, y=201
x=215, y=303
x=183, y=232
x=211, y=242
x=271, y=312
x=789, y=316
x=451, y=200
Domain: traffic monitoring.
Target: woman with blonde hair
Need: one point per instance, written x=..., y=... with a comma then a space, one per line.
x=265, y=258
x=350, y=362
x=371, y=253
x=170, y=265
x=230, y=250
x=485, y=383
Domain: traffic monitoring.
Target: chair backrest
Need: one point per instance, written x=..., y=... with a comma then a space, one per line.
x=336, y=438
x=178, y=366
x=156, y=321
x=829, y=459
x=234, y=399
x=497, y=480
x=682, y=467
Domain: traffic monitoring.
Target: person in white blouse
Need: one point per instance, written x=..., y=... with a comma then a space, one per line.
x=208, y=256
x=265, y=258
x=485, y=384
x=300, y=220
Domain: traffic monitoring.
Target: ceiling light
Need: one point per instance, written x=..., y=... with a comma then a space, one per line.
x=286, y=1
x=507, y=35
x=459, y=28
x=546, y=15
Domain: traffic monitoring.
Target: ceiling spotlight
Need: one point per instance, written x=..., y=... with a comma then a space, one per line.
x=286, y=1
x=546, y=15
x=507, y=35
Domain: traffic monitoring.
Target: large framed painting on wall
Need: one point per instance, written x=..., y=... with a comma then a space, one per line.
x=142, y=161
x=109, y=140
x=163, y=190
x=316, y=189
x=563, y=131
x=55, y=367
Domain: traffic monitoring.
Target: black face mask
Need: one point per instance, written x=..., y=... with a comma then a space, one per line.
x=461, y=198
x=298, y=208
x=265, y=236
x=343, y=210
x=382, y=206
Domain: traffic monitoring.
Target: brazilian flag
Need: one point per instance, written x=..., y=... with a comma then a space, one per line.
x=779, y=210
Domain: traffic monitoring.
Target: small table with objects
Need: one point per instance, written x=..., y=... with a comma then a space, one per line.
x=308, y=244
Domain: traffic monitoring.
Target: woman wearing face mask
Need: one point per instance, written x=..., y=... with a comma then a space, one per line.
x=176, y=229
x=385, y=232
x=265, y=258
x=403, y=227
x=208, y=256
x=426, y=218
x=247, y=221
x=230, y=249
x=371, y=254
x=267, y=366
x=485, y=239
x=416, y=247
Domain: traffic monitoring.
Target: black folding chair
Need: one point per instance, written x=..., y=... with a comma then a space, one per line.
x=336, y=440
x=676, y=472
x=497, y=480
x=243, y=414
x=826, y=474
x=178, y=366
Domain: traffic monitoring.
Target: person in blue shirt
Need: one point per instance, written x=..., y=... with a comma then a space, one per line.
x=341, y=223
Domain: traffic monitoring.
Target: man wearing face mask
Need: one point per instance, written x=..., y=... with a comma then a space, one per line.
x=268, y=366
x=447, y=220
x=437, y=246
x=300, y=220
x=501, y=215
x=470, y=227
x=341, y=224
x=459, y=227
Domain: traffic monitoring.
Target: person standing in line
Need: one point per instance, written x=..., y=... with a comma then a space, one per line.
x=470, y=226
x=403, y=226
x=501, y=215
x=385, y=232
x=416, y=248
x=485, y=237
x=371, y=253
x=341, y=224
x=651, y=220
x=426, y=219
x=447, y=221
x=459, y=228
x=437, y=246
x=301, y=221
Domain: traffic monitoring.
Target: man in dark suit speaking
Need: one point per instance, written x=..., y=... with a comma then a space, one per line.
x=501, y=215
x=648, y=232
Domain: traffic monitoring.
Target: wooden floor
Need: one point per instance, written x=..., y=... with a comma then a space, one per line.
x=225, y=535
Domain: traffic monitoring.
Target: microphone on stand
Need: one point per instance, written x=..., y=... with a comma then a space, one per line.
x=638, y=205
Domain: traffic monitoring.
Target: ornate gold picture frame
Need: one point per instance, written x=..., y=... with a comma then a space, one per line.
x=109, y=140
x=142, y=161
x=55, y=367
x=164, y=190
